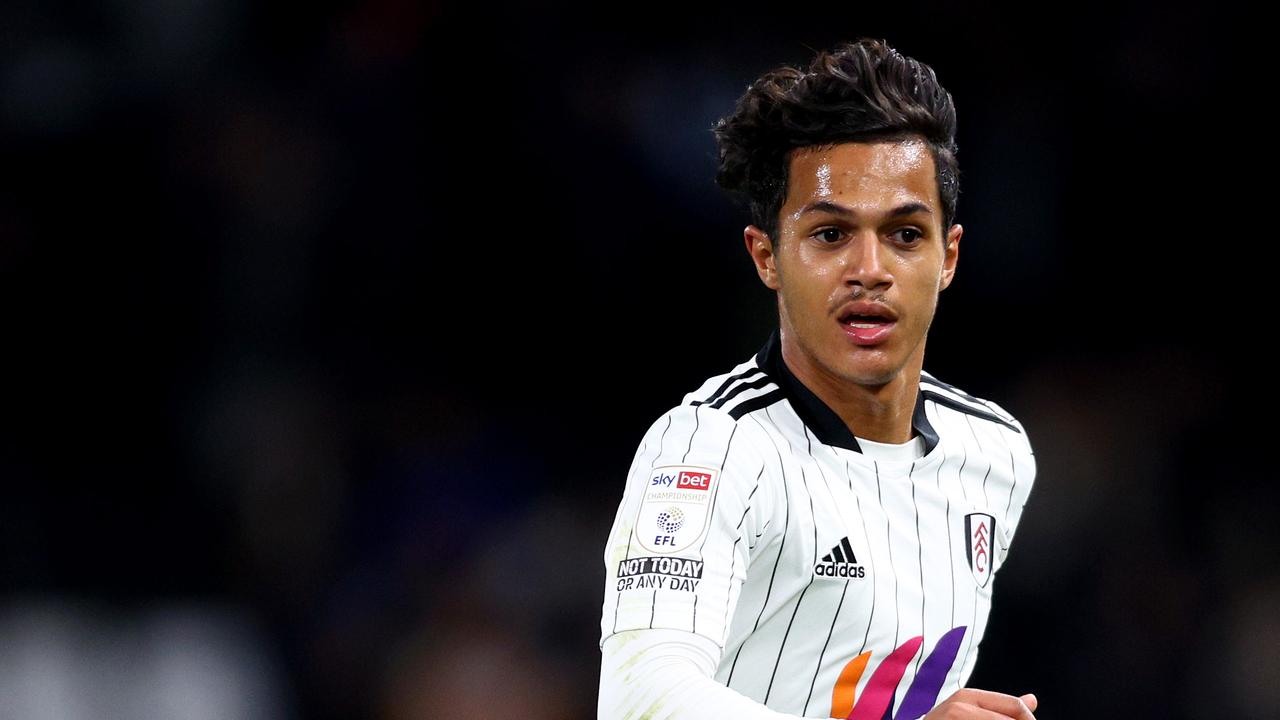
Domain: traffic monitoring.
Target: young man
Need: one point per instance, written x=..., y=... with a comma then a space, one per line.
x=815, y=533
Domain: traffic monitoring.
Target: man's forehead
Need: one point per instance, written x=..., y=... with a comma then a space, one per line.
x=822, y=172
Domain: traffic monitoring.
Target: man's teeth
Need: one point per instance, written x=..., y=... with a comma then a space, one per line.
x=864, y=324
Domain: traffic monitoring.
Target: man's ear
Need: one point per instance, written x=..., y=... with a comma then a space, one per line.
x=760, y=248
x=951, y=256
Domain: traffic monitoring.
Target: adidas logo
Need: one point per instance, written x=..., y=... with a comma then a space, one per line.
x=840, y=563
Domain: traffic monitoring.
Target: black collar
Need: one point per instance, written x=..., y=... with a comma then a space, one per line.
x=820, y=418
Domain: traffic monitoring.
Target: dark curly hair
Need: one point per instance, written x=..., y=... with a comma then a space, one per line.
x=863, y=91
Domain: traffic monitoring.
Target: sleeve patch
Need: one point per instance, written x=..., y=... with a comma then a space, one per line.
x=676, y=505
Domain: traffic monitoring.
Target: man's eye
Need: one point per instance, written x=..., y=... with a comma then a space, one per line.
x=828, y=235
x=910, y=235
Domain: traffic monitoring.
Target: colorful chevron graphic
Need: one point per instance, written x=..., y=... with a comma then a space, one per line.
x=878, y=694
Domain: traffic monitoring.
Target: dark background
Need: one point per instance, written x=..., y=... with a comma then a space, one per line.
x=331, y=331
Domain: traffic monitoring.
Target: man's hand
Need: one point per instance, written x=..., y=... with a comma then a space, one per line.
x=974, y=704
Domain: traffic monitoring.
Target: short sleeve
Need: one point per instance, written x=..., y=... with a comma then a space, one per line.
x=1024, y=477
x=677, y=554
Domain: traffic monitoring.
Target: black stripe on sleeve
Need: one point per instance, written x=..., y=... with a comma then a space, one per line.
x=725, y=386
x=743, y=387
x=926, y=377
x=756, y=403
x=967, y=409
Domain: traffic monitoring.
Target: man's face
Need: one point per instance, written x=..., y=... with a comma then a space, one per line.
x=861, y=224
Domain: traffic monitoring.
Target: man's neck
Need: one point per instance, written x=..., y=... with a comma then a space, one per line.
x=877, y=412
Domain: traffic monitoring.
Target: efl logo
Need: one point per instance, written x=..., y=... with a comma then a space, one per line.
x=694, y=481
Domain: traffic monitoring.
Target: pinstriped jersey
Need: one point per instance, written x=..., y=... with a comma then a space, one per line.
x=834, y=584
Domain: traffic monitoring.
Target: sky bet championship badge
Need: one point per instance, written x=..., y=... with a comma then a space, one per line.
x=676, y=506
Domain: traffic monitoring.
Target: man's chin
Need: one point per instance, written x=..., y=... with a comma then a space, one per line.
x=872, y=375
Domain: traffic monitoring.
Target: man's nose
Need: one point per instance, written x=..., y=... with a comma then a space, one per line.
x=866, y=262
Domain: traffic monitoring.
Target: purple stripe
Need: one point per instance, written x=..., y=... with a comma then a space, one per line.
x=923, y=693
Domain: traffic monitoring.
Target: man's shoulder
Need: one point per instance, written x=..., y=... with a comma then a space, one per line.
x=716, y=410
x=741, y=390
x=953, y=398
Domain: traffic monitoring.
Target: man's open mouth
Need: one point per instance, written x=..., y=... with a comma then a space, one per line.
x=864, y=321
x=867, y=323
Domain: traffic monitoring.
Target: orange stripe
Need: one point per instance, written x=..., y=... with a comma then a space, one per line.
x=842, y=696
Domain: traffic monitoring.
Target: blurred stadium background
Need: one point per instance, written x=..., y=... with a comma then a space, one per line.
x=331, y=330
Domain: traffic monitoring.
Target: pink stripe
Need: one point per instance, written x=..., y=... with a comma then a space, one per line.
x=878, y=693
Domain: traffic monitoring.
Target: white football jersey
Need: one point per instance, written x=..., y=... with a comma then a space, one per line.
x=833, y=583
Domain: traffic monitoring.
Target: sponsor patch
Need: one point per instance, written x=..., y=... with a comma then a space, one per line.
x=669, y=573
x=676, y=505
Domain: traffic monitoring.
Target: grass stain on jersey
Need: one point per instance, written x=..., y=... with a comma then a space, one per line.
x=620, y=550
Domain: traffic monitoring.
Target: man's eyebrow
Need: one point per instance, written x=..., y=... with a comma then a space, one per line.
x=828, y=206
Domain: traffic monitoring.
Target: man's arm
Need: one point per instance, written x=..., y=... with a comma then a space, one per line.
x=698, y=497
x=669, y=674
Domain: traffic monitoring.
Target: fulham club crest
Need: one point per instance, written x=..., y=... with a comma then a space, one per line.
x=980, y=530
